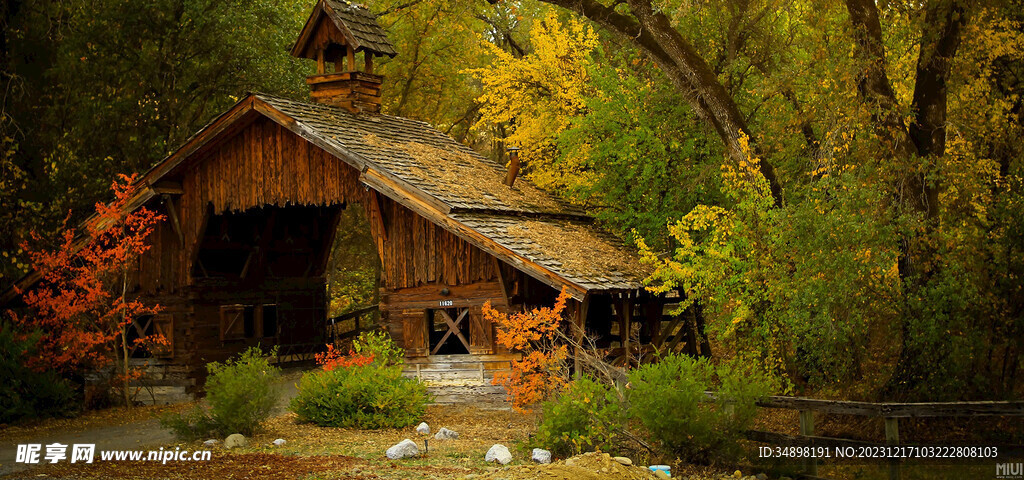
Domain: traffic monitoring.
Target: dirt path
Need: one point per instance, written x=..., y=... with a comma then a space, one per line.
x=113, y=429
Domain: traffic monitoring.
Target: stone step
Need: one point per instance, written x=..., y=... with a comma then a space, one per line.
x=491, y=395
x=441, y=375
x=466, y=389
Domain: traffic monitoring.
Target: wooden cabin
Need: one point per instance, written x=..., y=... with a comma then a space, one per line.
x=252, y=203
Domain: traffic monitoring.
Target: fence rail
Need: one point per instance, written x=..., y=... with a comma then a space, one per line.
x=364, y=316
x=891, y=412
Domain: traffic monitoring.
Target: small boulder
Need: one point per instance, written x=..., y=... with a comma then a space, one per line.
x=623, y=461
x=404, y=449
x=761, y=476
x=541, y=456
x=235, y=440
x=445, y=434
x=661, y=474
x=211, y=443
x=498, y=453
x=423, y=428
x=737, y=474
x=280, y=442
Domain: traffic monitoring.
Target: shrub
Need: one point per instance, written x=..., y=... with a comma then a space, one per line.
x=367, y=396
x=241, y=393
x=584, y=416
x=25, y=393
x=379, y=345
x=697, y=431
x=542, y=371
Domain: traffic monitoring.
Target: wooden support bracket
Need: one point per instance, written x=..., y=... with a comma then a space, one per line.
x=172, y=215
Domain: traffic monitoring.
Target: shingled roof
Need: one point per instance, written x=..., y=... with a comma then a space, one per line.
x=423, y=157
x=356, y=23
x=366, y=32
x=521, y=221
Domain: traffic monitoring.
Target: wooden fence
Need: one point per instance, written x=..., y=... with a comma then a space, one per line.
x=891, y=412
x=364, y=319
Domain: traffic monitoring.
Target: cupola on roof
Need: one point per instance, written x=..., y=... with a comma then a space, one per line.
x=352, y=25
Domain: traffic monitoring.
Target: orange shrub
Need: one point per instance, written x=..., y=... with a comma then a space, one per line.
x=535, y=333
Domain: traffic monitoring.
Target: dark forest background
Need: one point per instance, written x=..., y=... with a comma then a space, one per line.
x=837, y=183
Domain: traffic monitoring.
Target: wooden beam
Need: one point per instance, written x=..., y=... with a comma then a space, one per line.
x=172, y=215
x=579, y=332
x=168, y=187
x=668, y=331
x=367, y=61
x=653, y=313
x=505, y=290
x=320, y=68
x=625, y=326
x=807, y=430
x=350, y=58
x=329, y=242
x=377, y=213
x=245, y=267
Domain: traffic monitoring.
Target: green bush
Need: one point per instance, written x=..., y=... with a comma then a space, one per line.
x=378, y=343
x=370, y=397
x=586, y=415
x=696, y=430
x=241, y=393
x=24, y=393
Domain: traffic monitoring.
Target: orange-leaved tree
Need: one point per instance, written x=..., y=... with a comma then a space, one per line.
x=536, y=334
x=81, y=304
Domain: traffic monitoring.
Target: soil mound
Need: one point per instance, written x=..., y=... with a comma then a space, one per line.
x=588, y=466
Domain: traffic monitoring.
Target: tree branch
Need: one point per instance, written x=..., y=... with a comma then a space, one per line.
x=653, y=33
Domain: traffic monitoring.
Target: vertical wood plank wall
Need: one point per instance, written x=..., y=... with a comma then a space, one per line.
x=264, y=165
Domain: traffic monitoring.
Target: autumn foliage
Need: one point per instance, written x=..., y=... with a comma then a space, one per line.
x=534, y=333
x=81, y=304
x=333, y=358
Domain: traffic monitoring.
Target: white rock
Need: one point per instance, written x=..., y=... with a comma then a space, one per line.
x=498, y=453
x=623, y=460
x=423, y=428
x=541, y=456
x=235, y=440
x=211, y=443
x=404, y=449
x=279, y=442
x=445, y=434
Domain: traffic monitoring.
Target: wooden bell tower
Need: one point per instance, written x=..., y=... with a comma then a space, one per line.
x=335, y=35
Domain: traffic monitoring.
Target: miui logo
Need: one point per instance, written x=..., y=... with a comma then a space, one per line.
x=1010, y=470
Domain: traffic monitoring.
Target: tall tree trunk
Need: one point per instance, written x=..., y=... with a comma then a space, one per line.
x=123, y=360
x=911, y=144
x=652, y=32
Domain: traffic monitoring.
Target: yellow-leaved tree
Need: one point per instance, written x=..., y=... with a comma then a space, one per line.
x=535, y=96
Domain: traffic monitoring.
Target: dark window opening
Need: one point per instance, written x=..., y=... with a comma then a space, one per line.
x=270, y=320
x=222, y=263
x=249, y=321
x=452, y=345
